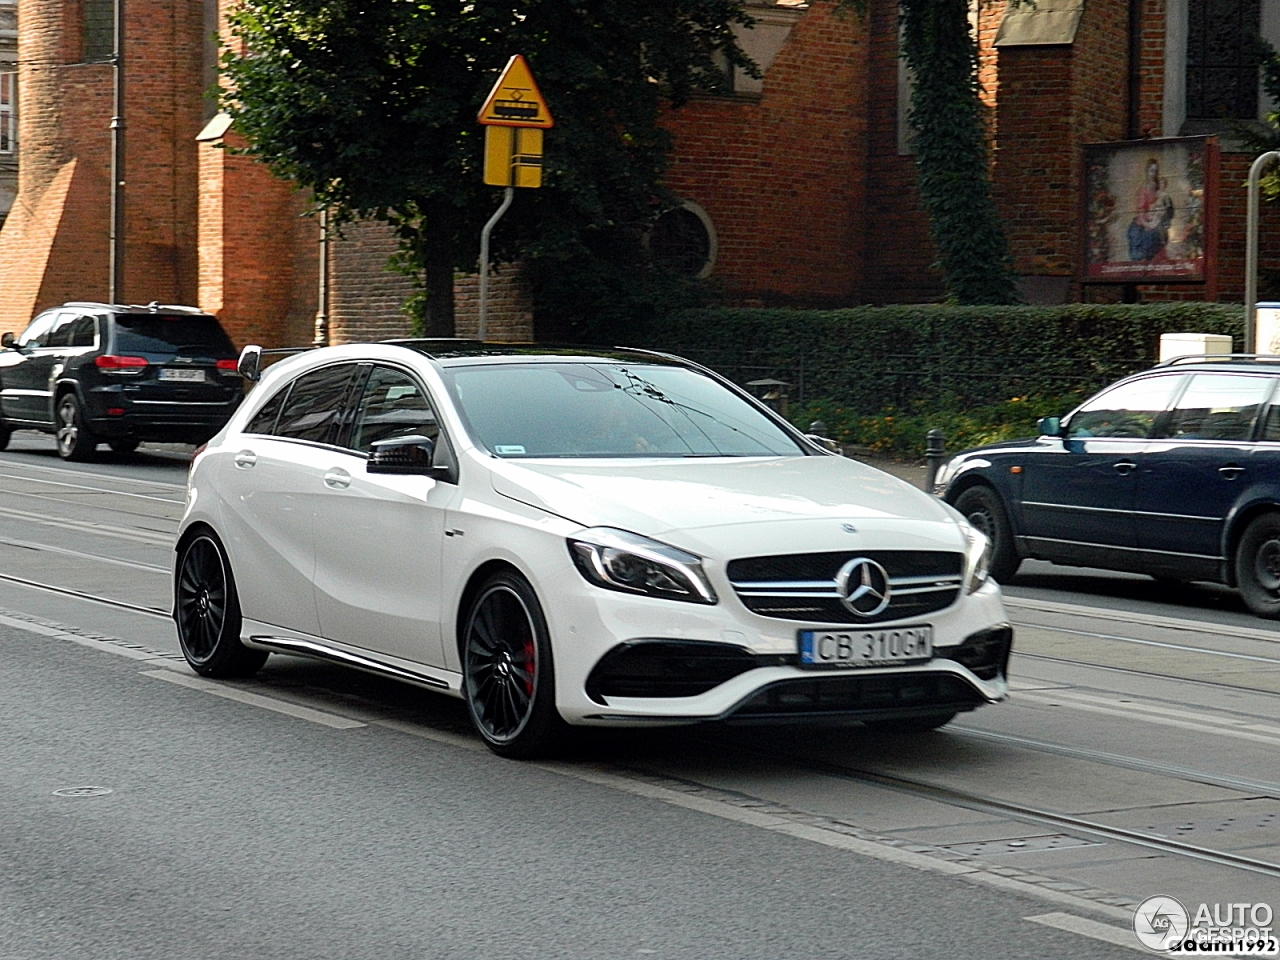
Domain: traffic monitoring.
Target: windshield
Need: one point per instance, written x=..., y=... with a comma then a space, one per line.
x=607, y=409
x=185, y=335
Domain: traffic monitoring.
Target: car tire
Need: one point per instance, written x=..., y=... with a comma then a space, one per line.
x=982, y=507
x=123, y=446
x=5, y=434
x=206, y=609
x=1258, y=566
x=508, y=678
x=75, y=442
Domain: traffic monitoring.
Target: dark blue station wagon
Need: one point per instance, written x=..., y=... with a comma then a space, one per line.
x=1174, y=472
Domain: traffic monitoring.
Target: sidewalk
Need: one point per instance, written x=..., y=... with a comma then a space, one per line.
x=912, y=471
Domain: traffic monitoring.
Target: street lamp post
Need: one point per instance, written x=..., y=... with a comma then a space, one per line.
x=115, y=256
x=1251, y=251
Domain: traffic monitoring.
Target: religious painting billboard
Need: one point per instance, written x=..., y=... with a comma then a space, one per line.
x=1150, y=209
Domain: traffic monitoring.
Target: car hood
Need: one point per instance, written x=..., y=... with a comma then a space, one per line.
x=657, y=497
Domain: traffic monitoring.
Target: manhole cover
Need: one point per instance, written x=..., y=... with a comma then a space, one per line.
x=82, y=791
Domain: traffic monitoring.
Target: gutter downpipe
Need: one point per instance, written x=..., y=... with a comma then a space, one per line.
x=115, y=257
x=1251, y=251
x=322, y=294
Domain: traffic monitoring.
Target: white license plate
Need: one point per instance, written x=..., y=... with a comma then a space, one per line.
x=847, y=649
x=187, y=376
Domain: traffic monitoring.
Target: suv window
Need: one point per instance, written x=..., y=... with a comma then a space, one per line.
x=37, y=332
x=1130, y=410
x=186, y=334
x=314, y=404
x=1218, y=406
x=392, y=405
x=72, y=330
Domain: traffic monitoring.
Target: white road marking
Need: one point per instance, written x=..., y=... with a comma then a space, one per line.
x=81, y=486
x=1146, y=619
x=50, y=548
x=91, y=526
x=255, y=699
x=69, y=471
x=1090, y=928
x=1149, y=643
x=1217, y=724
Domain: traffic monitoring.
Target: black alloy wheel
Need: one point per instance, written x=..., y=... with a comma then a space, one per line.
x=207, y=611
x=75, y=442
x=508, y=679
x=1258, y=566
x=981, y=506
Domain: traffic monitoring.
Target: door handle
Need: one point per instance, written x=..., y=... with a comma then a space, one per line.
x=246, y=459
x=1231, y=471
x=1125, y=467
x=338, y=479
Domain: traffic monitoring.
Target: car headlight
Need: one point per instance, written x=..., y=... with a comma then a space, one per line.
x=618, y=560
x=977, y=559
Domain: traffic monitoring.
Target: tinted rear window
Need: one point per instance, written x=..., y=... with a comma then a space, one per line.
x=189, y=336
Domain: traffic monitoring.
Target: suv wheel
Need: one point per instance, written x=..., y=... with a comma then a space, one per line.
x=1258, y=566
x=75, y=442
x=5, y=434
x=123, y=446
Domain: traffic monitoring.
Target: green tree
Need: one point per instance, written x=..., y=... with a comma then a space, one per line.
x=951, y=152
x=372, y=105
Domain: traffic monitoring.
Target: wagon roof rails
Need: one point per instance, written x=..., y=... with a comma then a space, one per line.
x=1211, y=357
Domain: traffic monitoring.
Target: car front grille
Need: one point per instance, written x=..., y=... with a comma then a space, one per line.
x=802, y=586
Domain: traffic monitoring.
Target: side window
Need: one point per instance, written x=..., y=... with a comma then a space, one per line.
x=1130, y=410
x=315, y=404
x=84, y=332
x=37, y=332
x=1218, y=406
x=392, y=405
x=63, y=330
x=264, y=421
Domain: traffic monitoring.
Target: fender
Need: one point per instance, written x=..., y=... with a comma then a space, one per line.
x=1261, y=495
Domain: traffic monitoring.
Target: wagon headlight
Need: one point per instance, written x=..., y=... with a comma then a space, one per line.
x=618, y=560
x=945, y=473
x=977, y=559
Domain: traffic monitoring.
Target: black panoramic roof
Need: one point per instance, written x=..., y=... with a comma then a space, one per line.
x=459, y=351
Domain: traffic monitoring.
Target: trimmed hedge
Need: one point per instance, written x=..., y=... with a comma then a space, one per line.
x=935, y=357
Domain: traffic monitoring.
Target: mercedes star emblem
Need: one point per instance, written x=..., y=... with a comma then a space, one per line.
x=863, y=586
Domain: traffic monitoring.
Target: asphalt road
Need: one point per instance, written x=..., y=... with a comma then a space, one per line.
x=315, y=812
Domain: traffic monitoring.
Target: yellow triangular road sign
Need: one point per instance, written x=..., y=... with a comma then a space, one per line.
x=515, y=100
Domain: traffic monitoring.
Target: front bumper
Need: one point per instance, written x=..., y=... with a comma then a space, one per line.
x=767, y=686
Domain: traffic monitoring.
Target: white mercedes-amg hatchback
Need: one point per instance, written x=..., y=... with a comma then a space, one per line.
x=567, y=536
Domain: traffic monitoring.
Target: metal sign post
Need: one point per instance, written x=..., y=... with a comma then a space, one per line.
x=514, y=115
x=1251, y=252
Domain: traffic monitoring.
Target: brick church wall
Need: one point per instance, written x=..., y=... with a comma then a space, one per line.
x=782, y=175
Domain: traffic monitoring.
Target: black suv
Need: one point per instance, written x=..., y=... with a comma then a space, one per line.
x=96, y=372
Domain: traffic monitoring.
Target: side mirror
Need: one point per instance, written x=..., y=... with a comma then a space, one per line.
x=413, y=454
x=1049, y=426
x=250, y=364
x=7, y=339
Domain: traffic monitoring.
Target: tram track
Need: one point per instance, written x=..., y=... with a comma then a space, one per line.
x=1023, y=813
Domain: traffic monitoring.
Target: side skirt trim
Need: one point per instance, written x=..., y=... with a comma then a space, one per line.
x=320, y=652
